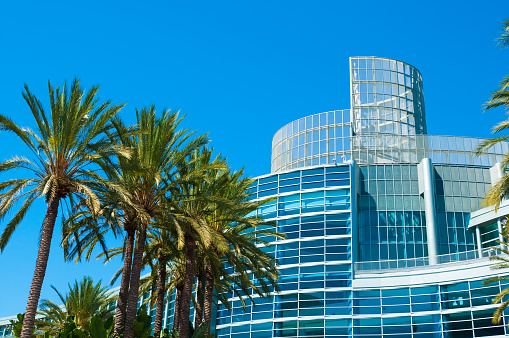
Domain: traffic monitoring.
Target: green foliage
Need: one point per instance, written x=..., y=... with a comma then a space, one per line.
x=141, y=325
x=99, y=328
x=200, y=332
x=83, y=300
x=17, y=325
x=71, y=330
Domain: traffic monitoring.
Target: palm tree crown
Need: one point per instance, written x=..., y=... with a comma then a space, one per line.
x=83, y=300
x=67, y=141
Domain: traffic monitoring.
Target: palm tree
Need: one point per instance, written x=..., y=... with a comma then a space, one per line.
x=67, y=141
x=498, y=98
x=219, y=207
x=160, y=252
x=83, y=300
x=136, y=190
x=233, y=219
x=84, y=228
x=189, y=206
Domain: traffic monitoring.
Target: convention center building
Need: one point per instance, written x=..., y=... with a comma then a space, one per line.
x=385, y=235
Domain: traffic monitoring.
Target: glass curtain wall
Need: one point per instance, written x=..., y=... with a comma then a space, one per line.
x=392, y=223
x=314, y=209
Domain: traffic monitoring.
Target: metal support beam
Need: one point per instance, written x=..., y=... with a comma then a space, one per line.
x=478, y=239
x=427, y=189
x=500, y=230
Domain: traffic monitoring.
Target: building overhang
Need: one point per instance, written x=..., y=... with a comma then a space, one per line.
x=488, y=215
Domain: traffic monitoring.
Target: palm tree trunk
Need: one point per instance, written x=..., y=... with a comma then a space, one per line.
x=161, y=290
x=124, y=284
x=132, y=303
x=40, y=267
x=176, y=306
x=188, y=287
x=209, y=291
x=198, y=311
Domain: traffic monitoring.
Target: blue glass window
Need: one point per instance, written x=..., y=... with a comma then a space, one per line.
x=429, y=319
x=338, y=169
x=312, y=185
x=267, y=193
x=312, y=259
x=311, y=285
x=267, y=186
x=316, y=178
x=338, y=176
x=289, y=189
x=367, y=326
x=269, y=179
x=308, y=172
x=337, y=183
x=285, y=176
x=289, y=182
x=338, y=311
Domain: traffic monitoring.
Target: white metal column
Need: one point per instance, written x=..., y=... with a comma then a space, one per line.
x=479, y=242
x=427, y=188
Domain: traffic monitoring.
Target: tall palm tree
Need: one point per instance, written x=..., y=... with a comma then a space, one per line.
x=67, y=141
x=84, y=299
x=84, y=227
x=190, y=205
x=499, y=98
x=136, y=190
x=234, y=221
x=160, y=252
x=219, y=206
x=157, y=152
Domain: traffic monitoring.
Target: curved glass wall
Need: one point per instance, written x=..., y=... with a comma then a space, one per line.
x=314, y=208
x=386, y=97
x=312, y=140
x=380, y=149
x=448, y=310
x=454, y=150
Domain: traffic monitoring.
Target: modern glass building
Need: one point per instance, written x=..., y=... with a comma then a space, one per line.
x=385, y=235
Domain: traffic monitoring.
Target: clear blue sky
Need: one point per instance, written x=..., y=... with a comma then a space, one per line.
x=239, y=70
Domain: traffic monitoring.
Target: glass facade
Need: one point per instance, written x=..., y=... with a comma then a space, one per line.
x=314, y=208
x=377, y=245
x=380, y=149
x=317, y=139
x=391, y=213
x=319, y=297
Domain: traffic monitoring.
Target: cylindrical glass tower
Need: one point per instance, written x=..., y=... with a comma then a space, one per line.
x=386, y=97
